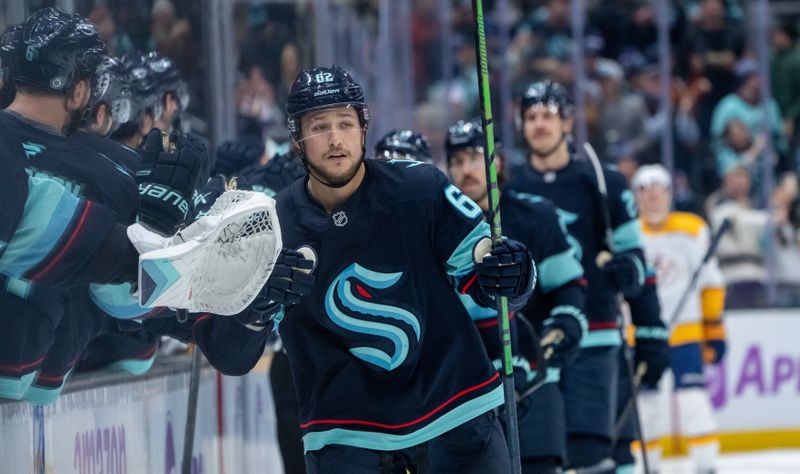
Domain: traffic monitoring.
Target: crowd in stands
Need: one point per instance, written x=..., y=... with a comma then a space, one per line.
x=721, y=135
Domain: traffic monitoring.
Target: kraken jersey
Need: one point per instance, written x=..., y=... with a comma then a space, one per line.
x=383, y=350
x=579, y=204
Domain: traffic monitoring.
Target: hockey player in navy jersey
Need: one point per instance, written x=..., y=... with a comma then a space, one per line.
x=555, y=311
x=51, y=244
x=388, y=367
x=590, y=385
x=51, y=59
x=403, y=145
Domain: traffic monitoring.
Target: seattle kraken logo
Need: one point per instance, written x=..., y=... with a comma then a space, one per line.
x=342, y=294
x=32, y=149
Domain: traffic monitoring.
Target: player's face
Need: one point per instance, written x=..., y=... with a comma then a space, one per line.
x=468, y=172
x=543, y=127
x=653, y=202
x=333, y=143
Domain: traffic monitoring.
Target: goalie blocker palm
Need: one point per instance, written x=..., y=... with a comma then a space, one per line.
x=167, y=179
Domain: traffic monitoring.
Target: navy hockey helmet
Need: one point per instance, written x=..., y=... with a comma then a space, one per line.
x=143, y=86
x=113, y=88
x=322, y=88
x=548, y=93
x=463, y=135
x=167, y=79
x=403, y=145
x=55, y=50
x=9, y=43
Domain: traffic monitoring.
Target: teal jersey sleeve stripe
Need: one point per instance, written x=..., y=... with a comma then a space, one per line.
x=117, y=300
x=602, y=338
x=519, y=363
x=391, y=442
x=460, y=261
x=559, y=269
x=475, y=311
x=628, y=236
x=49, y=209
x=572, y=311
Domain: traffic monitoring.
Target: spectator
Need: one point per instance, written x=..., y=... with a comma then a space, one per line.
x=786, y=212
x=744, y=104
x=740, y=251
x=739, y=148
x=620, y=134
x=785, y=75
x=168, y=33
x=711, y=48
x=118, y=43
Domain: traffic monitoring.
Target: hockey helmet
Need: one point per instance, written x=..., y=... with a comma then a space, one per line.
x=651, y=175
x=53, y=50
x=548, y=93
x=463, y=135
x=167, y=79
x=113, y=88
x=403, y=145
x=143, y=85
x=322, y=88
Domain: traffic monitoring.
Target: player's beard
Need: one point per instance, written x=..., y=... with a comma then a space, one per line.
x=334, y=181
x=76, y=118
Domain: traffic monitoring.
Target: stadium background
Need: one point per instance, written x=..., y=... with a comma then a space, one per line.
x=647, y=78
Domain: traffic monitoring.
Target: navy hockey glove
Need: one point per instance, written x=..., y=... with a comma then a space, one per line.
x=259, y=314
x=291, y=279
x=508, y=271
x=625, y=273
x=168, y=179
x=234, y=155
x=713, y=350
x=561, y=340
x=652, y=348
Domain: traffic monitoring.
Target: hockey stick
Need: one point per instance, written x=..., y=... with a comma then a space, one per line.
x=632, y=375
x=512, y=431
x=191, y=408
x=712, y=249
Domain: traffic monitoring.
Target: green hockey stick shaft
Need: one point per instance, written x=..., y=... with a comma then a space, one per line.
x=512, y=431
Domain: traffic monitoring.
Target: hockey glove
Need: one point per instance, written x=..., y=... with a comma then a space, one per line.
x=291, y=279
x=652, y=348
x=167, y=180
x=625, y=273
x=713, y=350
x=232, y=156
x=259, y=314
x=561, y=340
x=507, y=271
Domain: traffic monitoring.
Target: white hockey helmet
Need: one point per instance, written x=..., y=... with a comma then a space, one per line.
x=651, y=175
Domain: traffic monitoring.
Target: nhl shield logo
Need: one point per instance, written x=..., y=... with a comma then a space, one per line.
x=340, y=219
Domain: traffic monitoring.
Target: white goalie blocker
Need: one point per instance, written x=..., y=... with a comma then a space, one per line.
x=219, y=263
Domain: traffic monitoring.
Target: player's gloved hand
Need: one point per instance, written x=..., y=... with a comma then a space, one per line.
x=207, y=193
x=507, y=271
x=259, y=314
x=652, y=348
x=291, y=279
x=167, y=180
x=234, y=155
x=713, y=350
x=561, y=338
x=625, y=273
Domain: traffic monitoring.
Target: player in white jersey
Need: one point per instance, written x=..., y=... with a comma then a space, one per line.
x=675, y=243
